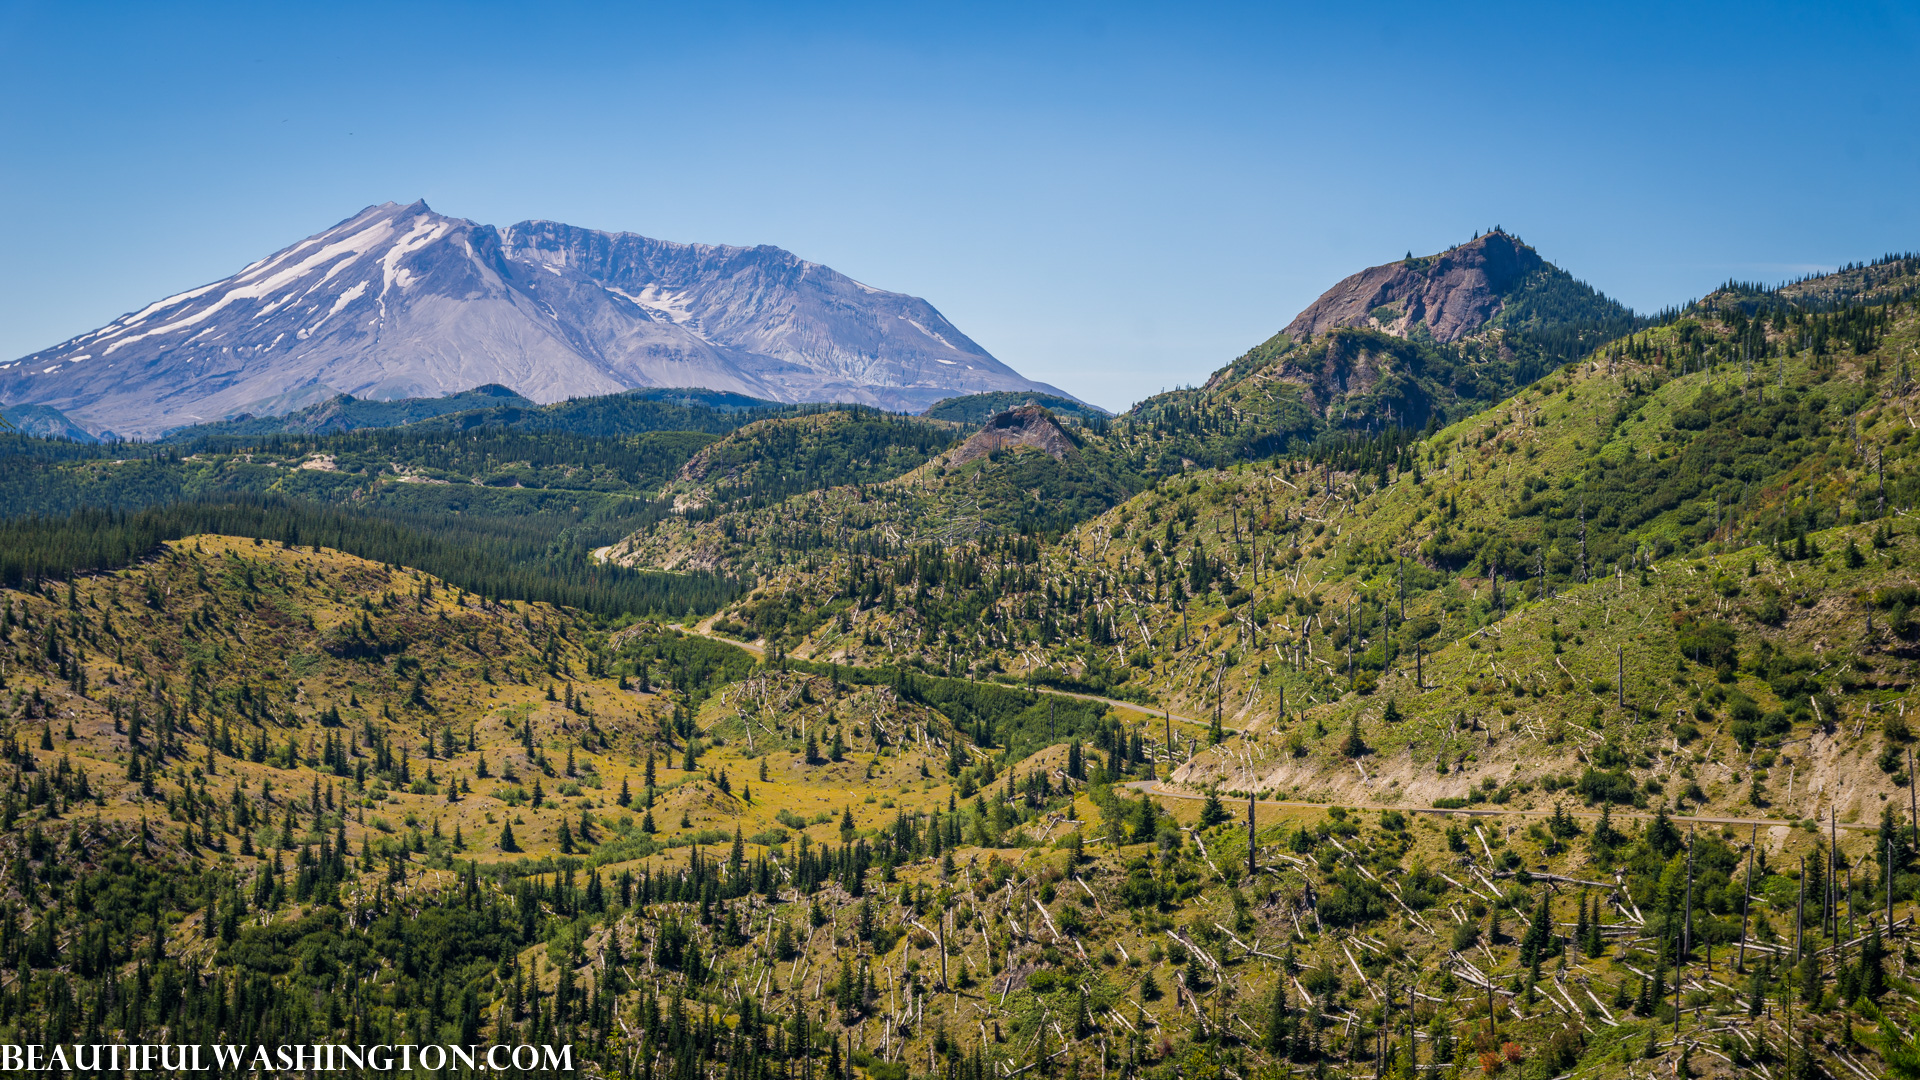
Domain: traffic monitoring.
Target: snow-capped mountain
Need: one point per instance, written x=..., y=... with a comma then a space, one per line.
x=398, y=301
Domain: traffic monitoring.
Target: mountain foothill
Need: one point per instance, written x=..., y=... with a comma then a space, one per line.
x=745, y=674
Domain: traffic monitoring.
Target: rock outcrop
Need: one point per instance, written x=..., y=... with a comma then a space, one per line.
x=1453, y=294
x=1029, y=426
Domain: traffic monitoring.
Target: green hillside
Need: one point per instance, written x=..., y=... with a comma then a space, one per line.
x=348, y=413
x=610, y=416
x=1711, y=508
x=504, y=512
x=974, y=409
x=1570, y=698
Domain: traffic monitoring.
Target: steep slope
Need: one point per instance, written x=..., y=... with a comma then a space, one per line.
x=877, y=347
x=1029, y=426
x=1889, y=278
x=401, y=301
x=1490, y=280
x=43, y=422
x=1409, y=344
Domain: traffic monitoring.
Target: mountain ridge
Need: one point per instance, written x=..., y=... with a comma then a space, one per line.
x=404, y=302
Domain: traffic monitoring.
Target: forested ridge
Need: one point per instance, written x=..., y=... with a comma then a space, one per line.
x=821, y=743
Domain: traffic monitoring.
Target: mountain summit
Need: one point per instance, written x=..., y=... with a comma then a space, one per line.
x=1455, y=294
x=399, y=301
x=1410, y=343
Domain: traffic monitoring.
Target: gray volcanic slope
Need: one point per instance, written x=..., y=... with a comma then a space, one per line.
x=398, y=301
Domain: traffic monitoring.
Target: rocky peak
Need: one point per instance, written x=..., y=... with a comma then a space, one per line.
x=1453, y=294
x=1029, y=425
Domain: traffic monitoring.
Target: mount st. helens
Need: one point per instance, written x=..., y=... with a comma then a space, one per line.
x=401, y=301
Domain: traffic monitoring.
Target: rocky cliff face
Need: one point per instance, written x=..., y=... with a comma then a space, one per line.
x=1453, y=294
x=1029, y=426
x=403, y=302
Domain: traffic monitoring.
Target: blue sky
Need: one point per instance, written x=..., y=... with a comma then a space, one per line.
x=1115, y=198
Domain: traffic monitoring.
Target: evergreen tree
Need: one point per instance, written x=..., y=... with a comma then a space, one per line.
x=1354, y=745
x=1213, y=812
x=1539, y=937
x=1871, y=981
x=1604, y=835
x=1277, y=1026
x=1810, y=976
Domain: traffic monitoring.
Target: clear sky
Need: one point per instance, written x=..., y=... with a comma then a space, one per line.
x=1112, y=197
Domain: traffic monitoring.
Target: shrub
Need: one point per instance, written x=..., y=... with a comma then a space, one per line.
x=1613, y=786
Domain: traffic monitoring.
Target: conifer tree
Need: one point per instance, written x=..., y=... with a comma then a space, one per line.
x=1277, y=1033
x=1213, y=811
x=1354, y=745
